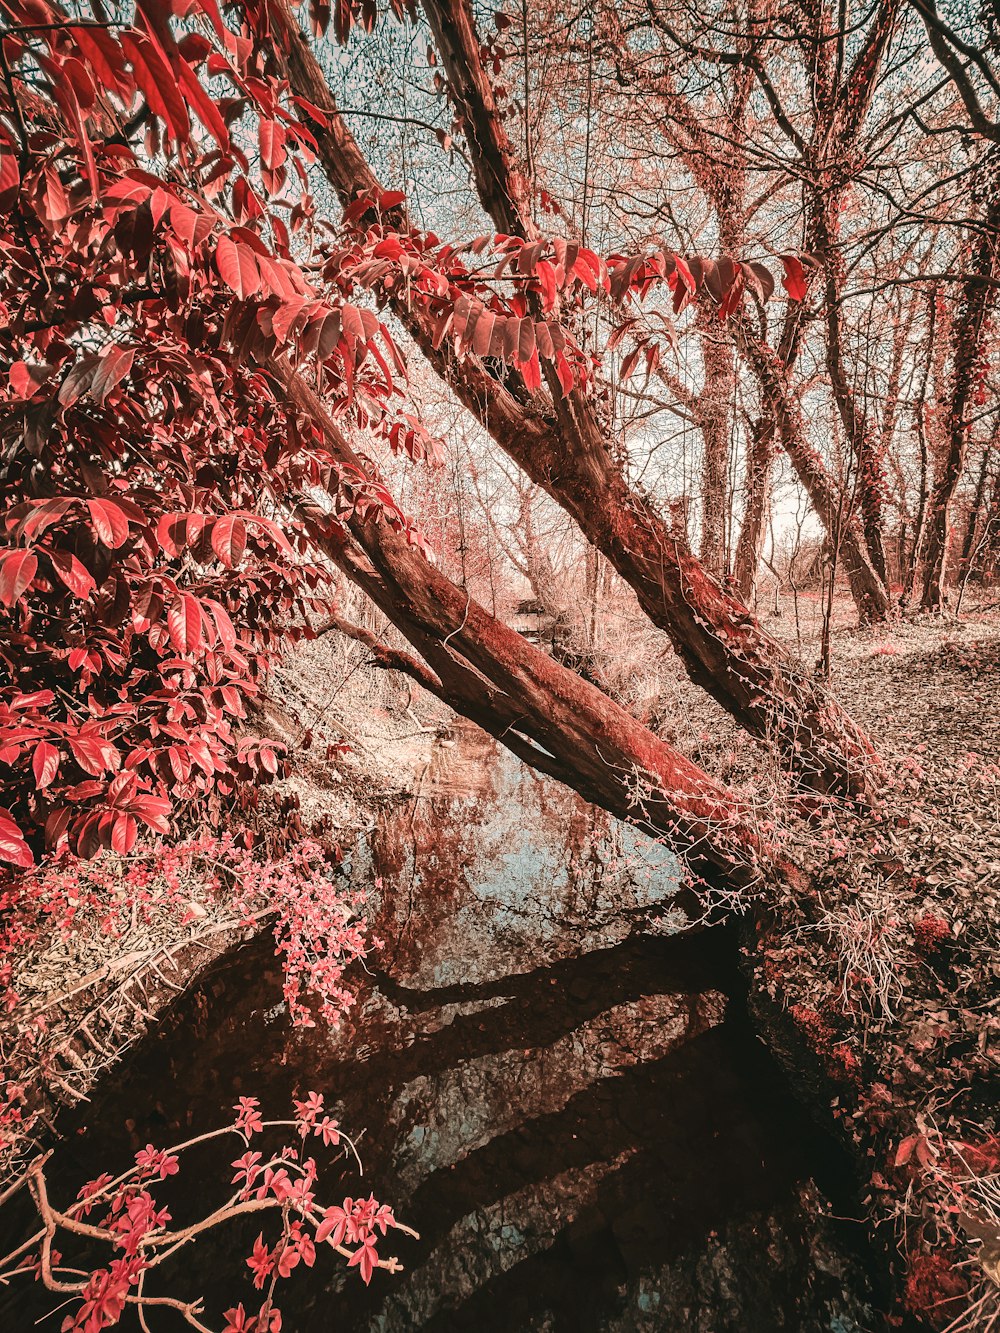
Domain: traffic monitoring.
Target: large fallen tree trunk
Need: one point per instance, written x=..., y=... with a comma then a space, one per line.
x=545, y=713
x=562, y=447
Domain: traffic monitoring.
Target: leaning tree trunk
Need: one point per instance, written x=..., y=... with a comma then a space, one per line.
x=871, y=597
x=543, y=712
x=562, y=447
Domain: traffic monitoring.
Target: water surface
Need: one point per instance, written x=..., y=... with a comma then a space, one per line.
x=563, y=1096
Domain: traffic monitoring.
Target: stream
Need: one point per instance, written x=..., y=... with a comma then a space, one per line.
x=564, y=1097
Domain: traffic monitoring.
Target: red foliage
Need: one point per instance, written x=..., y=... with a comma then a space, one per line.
x=121, y=1217
x=838, y=1055
x=931, y=933
x=932, y=1287
x=153, y=560
x=151, y=288
x=318, y=929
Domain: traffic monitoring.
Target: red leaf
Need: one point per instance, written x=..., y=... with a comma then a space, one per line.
x=483, y=333
x=44, y=763
x=116, y=362
x=277, y=535
x=237, y=265
x=74, y=574
x=905, y=1150
x=13, y=848
x=123, y=834
x=103, y=55
x=78, y=380
x=188, y=226
x=110, y=522
x=36, y=699
x=10, y=175
x=158, y=82
x=42, y=515
x=759, y=280
x=17, y=569
x=229, y=539
x=94, y=754
x=56, y=826
x=185, y=620
x=629, y=364
x=546, y=276
x=21, y=376
x=525, y=341
x=176, y=531
x=153, y=811
x=65, y=95
x=202, y=105
x=225, y=627
x=272, y=144
x=531, y=372
x=794, y=281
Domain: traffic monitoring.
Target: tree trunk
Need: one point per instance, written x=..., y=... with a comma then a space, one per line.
x=868, y=458
x=564, y=450
x=978, y=297
x=972, y=526
x=750, y=546
x=714, y=416
x=546, y=714
x=909, y=579
x=870, y=594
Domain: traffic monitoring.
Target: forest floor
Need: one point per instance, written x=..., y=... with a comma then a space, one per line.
x=882, y=987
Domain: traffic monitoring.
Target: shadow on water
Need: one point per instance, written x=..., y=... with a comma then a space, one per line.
x=564, y=1098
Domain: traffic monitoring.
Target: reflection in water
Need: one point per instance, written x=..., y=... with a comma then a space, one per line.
x=562, y=1097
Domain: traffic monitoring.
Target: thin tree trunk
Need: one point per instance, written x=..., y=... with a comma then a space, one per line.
x=867, y=456
x=920, y=426
x=714, y=416
x=842, y=531
x=760, y=467
x=978, y=297
x=972, y=524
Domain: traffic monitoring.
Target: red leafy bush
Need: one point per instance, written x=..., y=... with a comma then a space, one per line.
x=317, y=923
x=128, y=1233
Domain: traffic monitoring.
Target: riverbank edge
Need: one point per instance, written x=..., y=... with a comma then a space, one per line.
x=870, y=1123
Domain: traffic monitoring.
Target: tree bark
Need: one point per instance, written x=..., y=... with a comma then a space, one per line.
x=978, y=297
x=972, y=524
x=714, y=416
x=750, y=545
x=868, y=460
x=867, y=587
x=562, y=447
x=546, y=714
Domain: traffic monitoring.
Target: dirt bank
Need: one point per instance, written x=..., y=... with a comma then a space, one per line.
x=881, y=990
